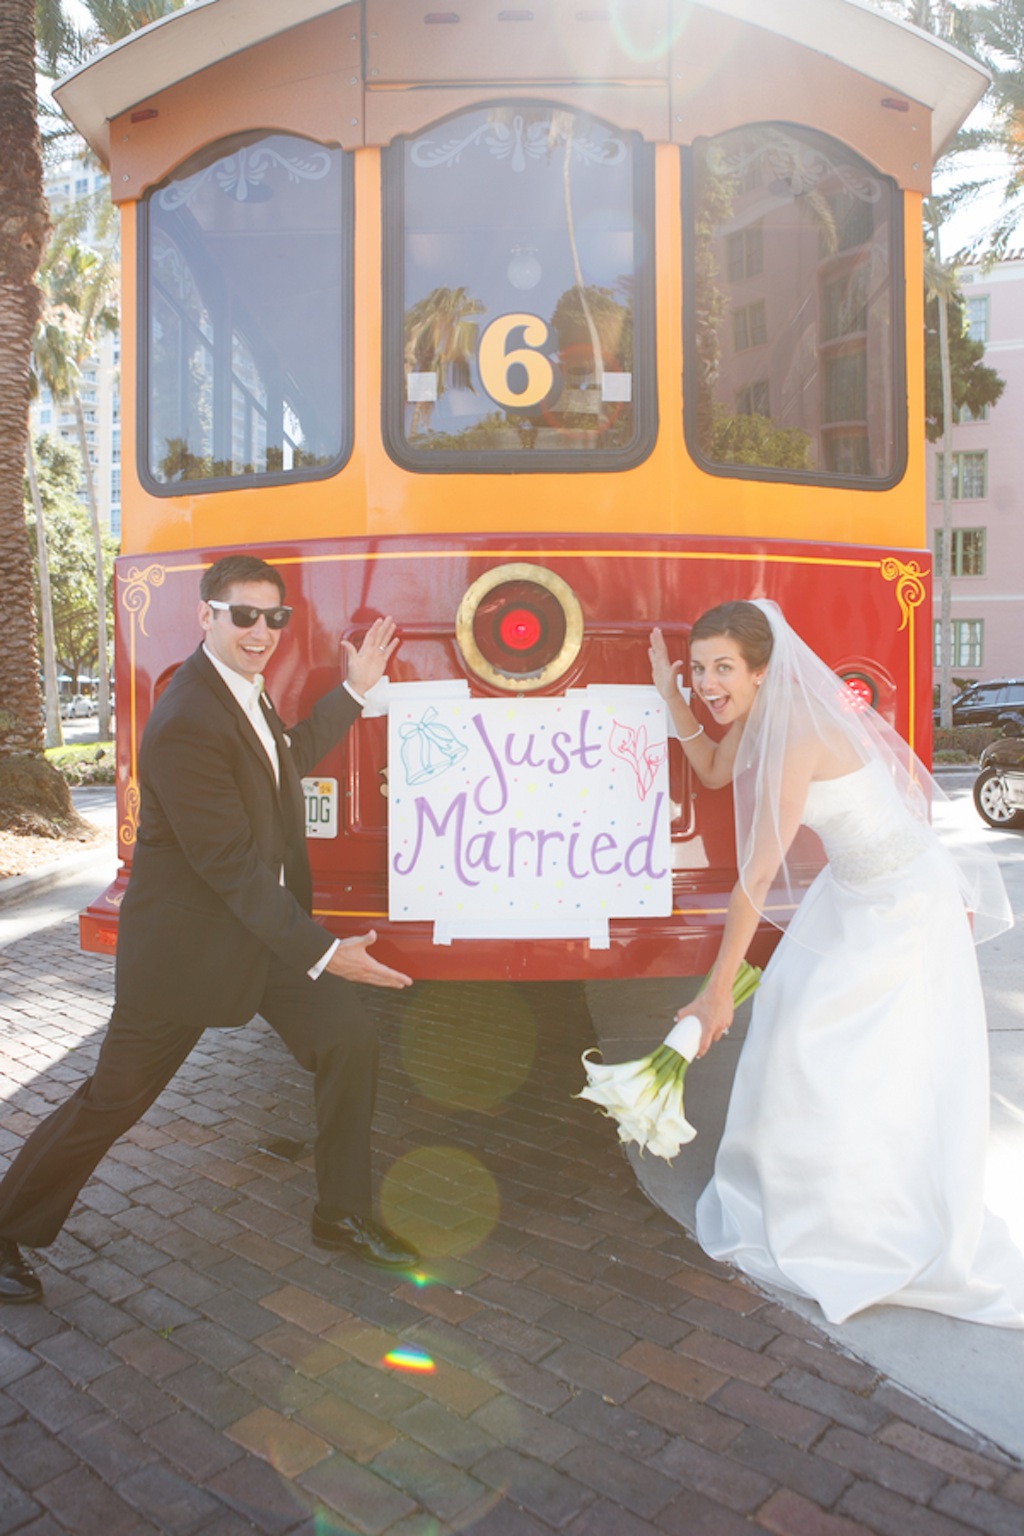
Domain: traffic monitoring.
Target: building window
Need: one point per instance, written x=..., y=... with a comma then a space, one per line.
x=519, y=323
x=968, y=637
x=977, y=317
x=964, y=415
x=970, y=476
x=813, y=232
x=968, y=557
x=755, y=400
x=743, y=253
x=748, y=326
x=244, y=252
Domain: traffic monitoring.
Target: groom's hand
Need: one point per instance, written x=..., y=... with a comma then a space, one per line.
x=353, y=961
x=367, y=665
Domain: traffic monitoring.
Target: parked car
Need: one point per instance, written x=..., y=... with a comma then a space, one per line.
x=999, y=703
x=78, y=708
x=999, y=787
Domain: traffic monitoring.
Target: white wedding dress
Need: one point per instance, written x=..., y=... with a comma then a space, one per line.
x=852, y=1164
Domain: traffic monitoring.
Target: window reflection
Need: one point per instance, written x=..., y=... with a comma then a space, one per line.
x=244, y=251
x=791, y=357
x=519, y=277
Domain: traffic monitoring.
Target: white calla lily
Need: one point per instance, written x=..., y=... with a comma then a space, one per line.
x=645, y=1097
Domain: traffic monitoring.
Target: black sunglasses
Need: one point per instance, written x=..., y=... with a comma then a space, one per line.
x=244, y=616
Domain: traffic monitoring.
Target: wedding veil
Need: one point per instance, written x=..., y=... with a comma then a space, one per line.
x=800, y=700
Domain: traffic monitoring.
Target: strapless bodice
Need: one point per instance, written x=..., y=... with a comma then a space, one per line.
x=863, y=824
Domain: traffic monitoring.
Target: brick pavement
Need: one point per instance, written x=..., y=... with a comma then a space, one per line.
x=572, y=1362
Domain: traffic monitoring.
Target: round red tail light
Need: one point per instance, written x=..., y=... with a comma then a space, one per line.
x=519, y=627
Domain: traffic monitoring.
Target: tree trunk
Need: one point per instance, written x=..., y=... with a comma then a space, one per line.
x=23, y=232
x=51, y=690
x=102, y=659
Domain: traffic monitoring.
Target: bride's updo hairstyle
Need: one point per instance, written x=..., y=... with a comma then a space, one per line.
x=742, y=622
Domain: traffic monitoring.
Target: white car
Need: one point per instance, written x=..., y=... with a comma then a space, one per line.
x=78, y=708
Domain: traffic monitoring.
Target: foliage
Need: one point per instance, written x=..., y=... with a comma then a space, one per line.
x=755, y=440
x=72, y=564
x=974, y=385
x=85, y=763
x=969, y=740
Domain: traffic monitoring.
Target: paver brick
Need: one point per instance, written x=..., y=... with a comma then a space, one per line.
x=47, y=1397
x=593, y=1419
x=691, y=1514
x=289, y=1447
x=880, y=1463
x=85, y=1505
x=16, y=1507
x=716, y=1476
x=32, y=1455
x=675, y=1370
x=980, y=1510
x=831, y=1401
x=149, y=1353
x=637, y=1487
x=885, y=1513
x=447, y=1491
x=788, y=1514
x=952, y=1459
x=369, y=1502
x=542, y=1490
x=788, y=1421
x=260, y=1495
x=788, y=1465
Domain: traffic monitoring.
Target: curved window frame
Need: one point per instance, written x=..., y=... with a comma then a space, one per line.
x=817, y=477
x=539, y=461
x=272, y=478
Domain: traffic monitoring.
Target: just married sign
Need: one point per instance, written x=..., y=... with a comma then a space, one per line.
x=528, y=817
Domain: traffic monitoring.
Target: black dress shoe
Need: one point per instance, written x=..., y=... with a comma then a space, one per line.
x=358, y=1235
x=18, y=1280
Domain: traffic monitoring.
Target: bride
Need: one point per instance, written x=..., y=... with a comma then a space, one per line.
x=852, y=1163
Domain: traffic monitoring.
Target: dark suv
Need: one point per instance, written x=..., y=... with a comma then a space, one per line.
x=999, y=703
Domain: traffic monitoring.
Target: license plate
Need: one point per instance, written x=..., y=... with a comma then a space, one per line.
x=321, y=807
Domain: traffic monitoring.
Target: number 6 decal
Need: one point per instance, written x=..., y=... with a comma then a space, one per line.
x=496, y=359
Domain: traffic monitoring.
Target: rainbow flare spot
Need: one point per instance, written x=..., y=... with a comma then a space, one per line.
x=408, y=1359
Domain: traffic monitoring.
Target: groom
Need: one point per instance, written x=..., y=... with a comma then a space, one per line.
x=215, y=927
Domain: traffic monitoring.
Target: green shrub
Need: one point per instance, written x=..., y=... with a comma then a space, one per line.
x=962, y=743
x=91, y=763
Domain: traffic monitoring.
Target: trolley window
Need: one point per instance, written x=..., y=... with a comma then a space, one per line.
x=794, y=347
x=246, y=294
x=519, y=328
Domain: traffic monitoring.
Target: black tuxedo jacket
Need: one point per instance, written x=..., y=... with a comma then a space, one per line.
x=205, y=909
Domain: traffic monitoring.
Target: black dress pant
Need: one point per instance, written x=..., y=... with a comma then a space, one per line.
x=324, y=1025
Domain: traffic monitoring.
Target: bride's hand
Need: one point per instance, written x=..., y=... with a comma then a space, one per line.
x=663, y=671
x=715, y=1017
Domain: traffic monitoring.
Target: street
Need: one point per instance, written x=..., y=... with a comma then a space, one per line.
x=567, y=1360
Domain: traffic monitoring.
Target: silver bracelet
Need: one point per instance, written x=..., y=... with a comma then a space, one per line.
x=698, y=732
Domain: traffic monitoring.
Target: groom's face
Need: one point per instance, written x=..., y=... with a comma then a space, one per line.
x=243, y=650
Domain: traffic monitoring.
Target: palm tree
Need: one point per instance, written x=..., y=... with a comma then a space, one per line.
x=440, y=338
x=53, y=733
x=23, y=232
x=80, y=287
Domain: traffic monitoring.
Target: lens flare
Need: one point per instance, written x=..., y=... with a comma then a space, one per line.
x=442, y=1199
x=409, y=1359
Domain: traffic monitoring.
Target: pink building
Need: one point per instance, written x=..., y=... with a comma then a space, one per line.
x=988, y=504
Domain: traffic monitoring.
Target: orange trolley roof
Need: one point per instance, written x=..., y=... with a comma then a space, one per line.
x=899, y=56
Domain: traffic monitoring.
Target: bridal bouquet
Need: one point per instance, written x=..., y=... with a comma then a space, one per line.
x=645, y=1097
